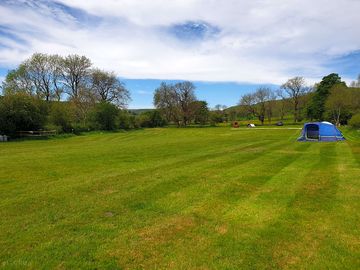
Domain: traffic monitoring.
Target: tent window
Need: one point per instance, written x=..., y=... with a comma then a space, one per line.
x=312, y=131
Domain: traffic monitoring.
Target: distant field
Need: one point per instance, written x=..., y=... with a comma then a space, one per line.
x=196, y=198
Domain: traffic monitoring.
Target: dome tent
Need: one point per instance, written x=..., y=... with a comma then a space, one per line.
x=320, y=131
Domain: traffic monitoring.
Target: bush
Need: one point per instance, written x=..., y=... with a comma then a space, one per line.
x=104, y=116
x=20, y=112
x=151, y=119
x=355, y=121
x=127, y=120
x=60, y=117
x=216, y=118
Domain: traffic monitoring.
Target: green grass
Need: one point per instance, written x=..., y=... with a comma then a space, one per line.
x=209, y=198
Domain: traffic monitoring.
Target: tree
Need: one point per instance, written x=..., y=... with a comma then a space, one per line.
x=107, y=87
x=165, y=100
x=38, y=70
x=356, y=84
x=20, y=112
x=248, y=101
x=185, y=94
x=176, y=102
x=355, y=99
x=295, y=88
x=257, y=103
x=61, y=116
x=55, y=62
x=355, y=121
x=104, y=116
x=216, y=117
x=338, y=101
x=18, y=81
x=152, y=119
x=317, y=108
x=270, y=104
x=75, y=72
x=39, y=75
x=281, y=93
x=262, y=96
x=82, y=105
x=201, y=112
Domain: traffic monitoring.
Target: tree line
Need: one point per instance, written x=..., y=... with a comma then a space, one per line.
x=66, y=94
x=331, y=100
x=69, y=94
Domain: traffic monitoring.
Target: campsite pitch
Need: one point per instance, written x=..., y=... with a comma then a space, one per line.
x=196, y=198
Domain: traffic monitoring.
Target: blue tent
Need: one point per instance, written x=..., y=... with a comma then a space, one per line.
x=320, y=131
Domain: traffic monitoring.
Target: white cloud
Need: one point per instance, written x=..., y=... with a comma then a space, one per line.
x=262, y=41
x=142, y=92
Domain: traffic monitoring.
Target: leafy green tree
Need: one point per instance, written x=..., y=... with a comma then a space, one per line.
x=107, y=87
x=201, y=112
x=75, y=70
x=21, y=112
x=185, y=94
x=175, y=102
x=355, y=121
x=317, y=108
x=165, y=100
x=18, y=81
x=216, y=117
x=338, y=103
x=37, y=76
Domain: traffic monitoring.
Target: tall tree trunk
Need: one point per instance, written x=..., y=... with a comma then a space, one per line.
x=296, y=103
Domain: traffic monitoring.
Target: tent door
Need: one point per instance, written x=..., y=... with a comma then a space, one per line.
x=312, y=132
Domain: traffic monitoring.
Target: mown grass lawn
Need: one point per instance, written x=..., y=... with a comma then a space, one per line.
x=197, y=198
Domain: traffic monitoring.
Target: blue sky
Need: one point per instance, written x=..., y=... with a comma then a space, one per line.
x=226, y=49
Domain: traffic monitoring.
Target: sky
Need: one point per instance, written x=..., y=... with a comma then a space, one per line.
x=227, y=48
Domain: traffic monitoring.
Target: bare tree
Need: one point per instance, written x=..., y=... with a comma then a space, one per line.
x=55, y=62
x=295, y=88
x=262, y=96
x=270, y=104
x=356, y=84
x=75, y=71
x=280, y=93
x=248, y=101
x=107, y=87
x=256, y=103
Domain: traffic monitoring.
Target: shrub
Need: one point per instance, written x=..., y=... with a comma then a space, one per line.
x=20, y=112
x=127, y=120
x=355, y=121
x=216, y=118
x=152, y=119
x=104, y=116
x=60, y=117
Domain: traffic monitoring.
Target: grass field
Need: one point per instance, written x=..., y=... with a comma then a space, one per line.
x=197, y=198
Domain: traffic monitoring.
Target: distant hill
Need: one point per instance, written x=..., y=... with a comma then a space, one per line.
x=139, y=111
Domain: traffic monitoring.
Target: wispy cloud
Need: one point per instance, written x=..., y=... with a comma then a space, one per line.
x=260, y=41
x=142, y=92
